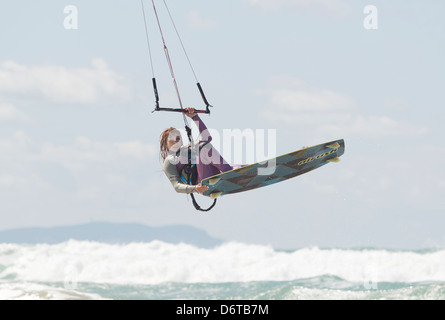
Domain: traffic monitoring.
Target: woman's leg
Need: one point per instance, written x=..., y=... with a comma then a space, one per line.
x=210, y=162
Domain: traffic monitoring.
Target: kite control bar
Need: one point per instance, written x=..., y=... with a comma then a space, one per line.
x=157, y=108
x=180, y=110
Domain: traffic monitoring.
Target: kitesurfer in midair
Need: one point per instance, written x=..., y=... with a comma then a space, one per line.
x=208, y=161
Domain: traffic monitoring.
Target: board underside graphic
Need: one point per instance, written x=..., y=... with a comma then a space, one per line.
x=274, y=170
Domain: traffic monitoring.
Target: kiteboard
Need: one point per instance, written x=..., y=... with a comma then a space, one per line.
x=278, y=169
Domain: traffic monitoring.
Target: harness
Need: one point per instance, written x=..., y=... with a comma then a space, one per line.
x=189, y=173
x=192, y=172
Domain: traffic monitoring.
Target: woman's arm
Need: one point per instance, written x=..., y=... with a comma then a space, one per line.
x=172, y=174
x=203, y=131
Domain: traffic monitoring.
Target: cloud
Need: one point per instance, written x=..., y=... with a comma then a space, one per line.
x=26, y=162
x=197, y=21
x=295, y=96
x=84, y=153
x=53, y=183
x=11, y=115
x=326, y=112
x=384, y=179
x=337, y=8
x=374, y=127
x=97, y=84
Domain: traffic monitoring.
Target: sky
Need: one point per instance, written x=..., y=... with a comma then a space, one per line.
x=79, y=142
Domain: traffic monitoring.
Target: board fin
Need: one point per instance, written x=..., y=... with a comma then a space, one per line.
x=335, y=145
x=334, y=160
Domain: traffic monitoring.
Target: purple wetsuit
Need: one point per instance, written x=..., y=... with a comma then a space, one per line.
x=208, y=160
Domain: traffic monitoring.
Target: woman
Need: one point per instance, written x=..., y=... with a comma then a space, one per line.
x=208, y=161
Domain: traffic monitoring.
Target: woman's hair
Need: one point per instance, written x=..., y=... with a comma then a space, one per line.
x=163, y=142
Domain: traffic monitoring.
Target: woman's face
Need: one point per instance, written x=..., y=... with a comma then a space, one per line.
x=174, y=141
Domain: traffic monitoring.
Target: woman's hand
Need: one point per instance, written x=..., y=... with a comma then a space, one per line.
x=190, y=112
x=200, y=189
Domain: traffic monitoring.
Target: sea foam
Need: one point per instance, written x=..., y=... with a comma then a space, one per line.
x=157, y=262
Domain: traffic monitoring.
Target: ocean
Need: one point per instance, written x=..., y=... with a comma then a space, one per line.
x=158, y=270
